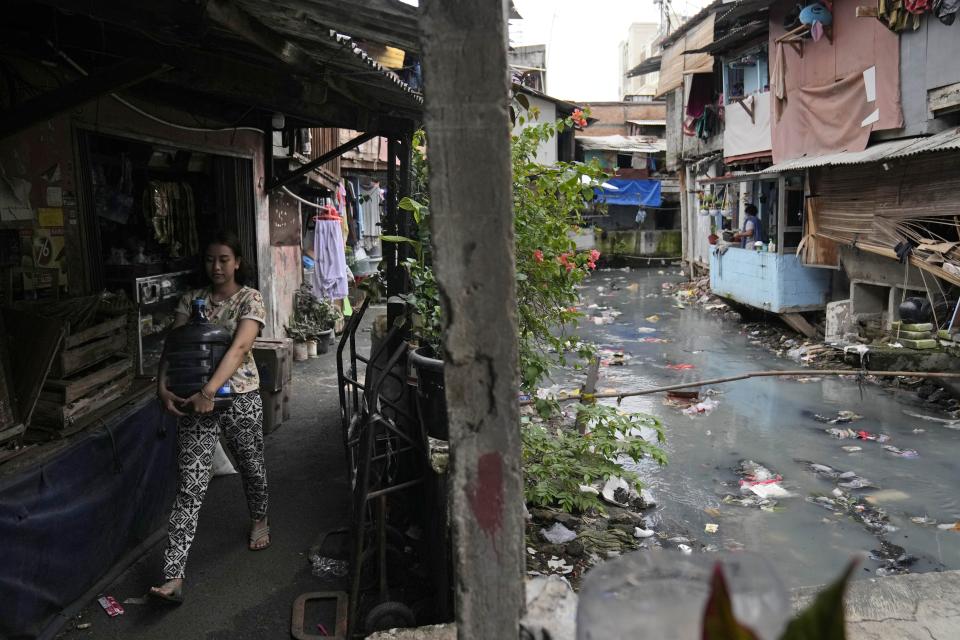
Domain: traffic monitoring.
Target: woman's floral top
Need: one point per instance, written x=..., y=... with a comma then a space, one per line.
x=245, y=303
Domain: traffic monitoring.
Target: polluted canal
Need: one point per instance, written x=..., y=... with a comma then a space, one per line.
x=757, y=464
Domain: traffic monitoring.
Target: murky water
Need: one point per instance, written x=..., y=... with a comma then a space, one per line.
x=764, y=420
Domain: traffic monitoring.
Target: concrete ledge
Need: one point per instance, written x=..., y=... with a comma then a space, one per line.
x=915, y=606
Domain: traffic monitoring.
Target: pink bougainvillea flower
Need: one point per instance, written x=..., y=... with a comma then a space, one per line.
x=594, y=255
x=591, y=264
x=538, y=255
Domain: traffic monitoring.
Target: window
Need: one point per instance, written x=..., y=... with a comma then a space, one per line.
x=745, y=75
x=624, y=160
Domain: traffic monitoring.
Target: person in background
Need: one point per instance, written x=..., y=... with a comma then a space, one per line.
x=240, y=310
x=751, y=231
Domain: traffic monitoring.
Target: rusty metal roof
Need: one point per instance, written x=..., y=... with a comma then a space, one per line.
x=944, y=141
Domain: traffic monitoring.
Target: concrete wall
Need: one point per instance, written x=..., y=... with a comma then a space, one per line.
x=547, y=153
x=611, y=117
x=868, y=267
x=638, y=243
x=777, y=283
x=674, y=117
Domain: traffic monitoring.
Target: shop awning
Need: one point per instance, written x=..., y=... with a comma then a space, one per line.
x=641, y=193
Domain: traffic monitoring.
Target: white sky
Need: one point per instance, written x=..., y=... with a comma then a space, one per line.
x=583, y=39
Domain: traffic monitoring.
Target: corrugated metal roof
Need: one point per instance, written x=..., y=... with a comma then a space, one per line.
x=733, y=39
x=647, y=66
x=631, y=144
x=944, y=141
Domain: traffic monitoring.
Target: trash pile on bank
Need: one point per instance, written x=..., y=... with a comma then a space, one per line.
x=698, y=293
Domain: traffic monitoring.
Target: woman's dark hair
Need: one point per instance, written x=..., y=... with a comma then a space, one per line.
x=750, y=210
x=228, y=238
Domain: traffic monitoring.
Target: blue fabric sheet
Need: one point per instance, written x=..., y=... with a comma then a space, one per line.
x=65, y=521
x=642, y=193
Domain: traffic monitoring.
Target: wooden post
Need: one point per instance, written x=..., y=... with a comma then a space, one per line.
x=468, y=137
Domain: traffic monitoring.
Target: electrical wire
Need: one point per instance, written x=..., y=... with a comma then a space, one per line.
x=145, y=114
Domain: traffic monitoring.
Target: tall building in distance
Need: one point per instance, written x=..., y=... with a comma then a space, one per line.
x=635, y=49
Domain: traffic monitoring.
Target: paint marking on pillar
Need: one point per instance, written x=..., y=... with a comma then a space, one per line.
x=486, y=497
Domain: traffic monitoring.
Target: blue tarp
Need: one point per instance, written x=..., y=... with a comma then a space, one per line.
x=65, y=521
x=642, y=193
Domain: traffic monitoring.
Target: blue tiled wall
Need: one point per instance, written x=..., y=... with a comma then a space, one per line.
x=777, y=283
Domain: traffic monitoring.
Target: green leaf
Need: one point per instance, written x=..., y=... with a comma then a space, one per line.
x=522, y=99
x=824, y=618
x=402, y=239
x=719, y=622
x=409, y=204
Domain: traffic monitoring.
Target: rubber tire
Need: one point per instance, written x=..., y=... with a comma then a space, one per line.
x=388, y=615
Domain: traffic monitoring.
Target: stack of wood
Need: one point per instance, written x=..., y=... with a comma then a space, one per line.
x=915, y=336
x=92, y=368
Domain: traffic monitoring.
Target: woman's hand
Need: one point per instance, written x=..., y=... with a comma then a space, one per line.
x=170, y=402
x=198, y=403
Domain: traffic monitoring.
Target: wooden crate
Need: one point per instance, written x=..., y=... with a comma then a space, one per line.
x=67, y=403
x=91, y=346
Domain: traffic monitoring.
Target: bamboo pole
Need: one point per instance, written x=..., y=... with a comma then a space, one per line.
x=620, y=395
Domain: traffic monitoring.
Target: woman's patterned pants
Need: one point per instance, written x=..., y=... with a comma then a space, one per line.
x=242, y=424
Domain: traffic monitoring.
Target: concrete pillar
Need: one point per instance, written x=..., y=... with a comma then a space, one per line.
x=468, y=132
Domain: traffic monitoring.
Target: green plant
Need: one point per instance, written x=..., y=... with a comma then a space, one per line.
x=547, y=203
x=424, y=297
x=311, y=316
x=558, y=460
x=547, y=206
x=297, y=332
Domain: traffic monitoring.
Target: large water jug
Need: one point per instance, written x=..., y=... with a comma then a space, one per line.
x=192, y=353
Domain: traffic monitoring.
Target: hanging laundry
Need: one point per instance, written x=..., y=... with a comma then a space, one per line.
x=946, y=10
x=895, y=15
x=778, y=81
x=330, y=271
x=918, y=7
x=816, y=31
x=370, y=197
x=701, y=94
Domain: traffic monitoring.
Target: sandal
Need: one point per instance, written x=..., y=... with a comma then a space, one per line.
x=258, y=534
x=174, y=597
